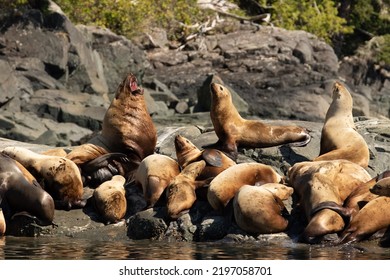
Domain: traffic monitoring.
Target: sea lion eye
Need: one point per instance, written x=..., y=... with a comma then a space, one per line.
x=220, y=88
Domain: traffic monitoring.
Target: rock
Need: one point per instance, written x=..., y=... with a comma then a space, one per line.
x=147, y=224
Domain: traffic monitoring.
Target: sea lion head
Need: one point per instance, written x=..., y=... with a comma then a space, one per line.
x=129, y=86
x=219, y=91
x=186, y=151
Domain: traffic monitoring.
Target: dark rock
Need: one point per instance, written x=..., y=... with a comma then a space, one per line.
x=147, y=224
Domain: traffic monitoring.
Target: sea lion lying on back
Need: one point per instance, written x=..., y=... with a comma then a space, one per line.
x=233, y=131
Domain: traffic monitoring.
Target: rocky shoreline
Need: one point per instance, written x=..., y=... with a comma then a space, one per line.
x=57, y=79
x=201, y=223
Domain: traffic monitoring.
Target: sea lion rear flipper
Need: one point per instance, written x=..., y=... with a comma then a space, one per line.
x=213, y=157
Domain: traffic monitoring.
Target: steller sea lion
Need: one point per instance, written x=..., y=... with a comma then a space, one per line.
x=60, y=176
x=373, y=217
x=85, y=152
x=233, y=130
x=322, y=187
x=154, y=174
x=18, y=194
x=181, y=190
x=259, y=210
x=187, y=152
x=339, y=138
x=110, y=200
x=226, y=184
x=382, y=185
x=127, y=126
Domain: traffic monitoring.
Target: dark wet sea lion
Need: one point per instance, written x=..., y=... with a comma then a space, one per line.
x=61, y=177
x=233, y=130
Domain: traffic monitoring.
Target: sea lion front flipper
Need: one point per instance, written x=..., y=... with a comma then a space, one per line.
x=213, y=157
x=344, y=212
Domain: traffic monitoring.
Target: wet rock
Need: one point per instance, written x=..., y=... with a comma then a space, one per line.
x=147, y=224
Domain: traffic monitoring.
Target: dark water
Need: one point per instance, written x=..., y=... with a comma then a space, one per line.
x=67, y=248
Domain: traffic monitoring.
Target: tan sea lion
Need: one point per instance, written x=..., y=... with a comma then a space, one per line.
x=85, y=152
x=61, y=177
x=18, y=194
x=3, y=225
x=127, y=126
x=365, y=192
x=339, y=138
x=110, y=200
x=373, y=217
x=181, y=190
x=258, y=210
x=226, y=184
x=154, y=174
x=187, y=152
x=322, y=187
x=233, y=130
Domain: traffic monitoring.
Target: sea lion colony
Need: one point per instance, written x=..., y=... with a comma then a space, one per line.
x=335, y=192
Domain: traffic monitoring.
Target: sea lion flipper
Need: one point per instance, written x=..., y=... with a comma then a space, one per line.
x=344, y=212
x=213, y=157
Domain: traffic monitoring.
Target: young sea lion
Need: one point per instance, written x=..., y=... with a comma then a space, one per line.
x=181, y=190
x=227, y=183
x=339, y=138
x=154, y=174
x=233, y=130
x=110, y=200
x=258, y=210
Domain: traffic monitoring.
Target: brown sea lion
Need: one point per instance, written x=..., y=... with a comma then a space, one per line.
x=18, y=194
x=154, y=174
x=187, y=152
x=110, y=200
x=259, y=210
x=382, y=186
x=60, y=176
x=322, y=187
x=181, y=190
x=226, y=184
x=233, y=130
x=373, y=217
x=339, y=138
x=127, y=126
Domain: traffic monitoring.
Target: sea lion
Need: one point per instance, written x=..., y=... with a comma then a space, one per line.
x=3, y=225
x=233, y=130
x=60, y=176
x=187, y=152
x=373, y=217
x=181, y=190
x=59, y=152
x=85, y=152
x=20, y=195
x=280, y=190
x=226, y=184
x=365, y=193
x=322, y=187
x=382, y=186
x=104, y=167
x=127, y=126
x=110, y=200
x=339, y=138
x=154, y=174
x=259, y=210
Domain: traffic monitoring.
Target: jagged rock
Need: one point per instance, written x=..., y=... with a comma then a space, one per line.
x=147, y=224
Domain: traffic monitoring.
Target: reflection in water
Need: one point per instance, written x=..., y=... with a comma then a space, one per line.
x=64, y=248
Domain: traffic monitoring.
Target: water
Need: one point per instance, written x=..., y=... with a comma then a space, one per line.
x=67, y=248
